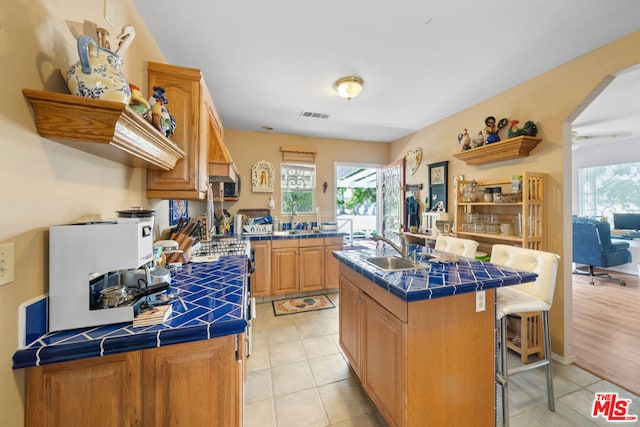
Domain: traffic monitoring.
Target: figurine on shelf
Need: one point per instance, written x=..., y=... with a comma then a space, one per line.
x=529, y=129
x=478, y=140
x=491, y=130
x=222, y=221
x=137, y=102
x=160, y=116
x=464, y=139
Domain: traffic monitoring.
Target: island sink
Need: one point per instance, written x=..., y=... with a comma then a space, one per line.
x=394, y=263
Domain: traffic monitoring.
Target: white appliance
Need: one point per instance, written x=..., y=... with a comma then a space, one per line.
x=80, y=255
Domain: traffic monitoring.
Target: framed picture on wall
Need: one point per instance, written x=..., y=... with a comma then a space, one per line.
x=177, y=209
x=438, y=178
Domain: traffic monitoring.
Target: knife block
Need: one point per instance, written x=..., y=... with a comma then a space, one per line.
x=184, y=244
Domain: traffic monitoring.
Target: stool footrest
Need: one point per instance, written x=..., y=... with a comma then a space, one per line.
x=533, y=365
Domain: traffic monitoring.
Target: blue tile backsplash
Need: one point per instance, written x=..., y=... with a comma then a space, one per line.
x=36, y=316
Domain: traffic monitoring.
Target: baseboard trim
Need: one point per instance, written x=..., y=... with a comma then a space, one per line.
x=563, y=360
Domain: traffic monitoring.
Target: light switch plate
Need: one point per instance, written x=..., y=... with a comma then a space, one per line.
x=6, y=263
x=480, y=301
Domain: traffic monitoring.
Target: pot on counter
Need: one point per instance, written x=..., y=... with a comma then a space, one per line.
x=160, y=275
x=113, y=296
x=138, y=278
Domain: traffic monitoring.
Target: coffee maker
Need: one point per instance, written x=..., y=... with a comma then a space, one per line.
x=85, y=261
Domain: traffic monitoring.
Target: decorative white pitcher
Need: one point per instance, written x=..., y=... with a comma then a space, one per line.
x=97, y=74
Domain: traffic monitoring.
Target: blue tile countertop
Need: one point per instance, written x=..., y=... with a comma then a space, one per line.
x=439, y=280
x=213, y=294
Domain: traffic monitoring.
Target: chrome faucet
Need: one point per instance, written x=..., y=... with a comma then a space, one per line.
x=402, y=250
x=294, y=212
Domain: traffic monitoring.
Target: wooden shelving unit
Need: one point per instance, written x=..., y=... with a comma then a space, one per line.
x=507, y=149
x=105, y=128
x=529, y=233
x=525, y=336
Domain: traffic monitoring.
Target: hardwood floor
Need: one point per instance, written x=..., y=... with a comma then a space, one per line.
x=606, y=329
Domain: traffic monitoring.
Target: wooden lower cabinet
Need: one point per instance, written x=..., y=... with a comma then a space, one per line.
x=284, y=270
x=261, y=278
x=422, y=363
x=351, y=322
x=385, y=350
x=297, y=265
x=331, y=264
x=199, y=383
x=105, y=391
x=311, y=268
x=192, y=384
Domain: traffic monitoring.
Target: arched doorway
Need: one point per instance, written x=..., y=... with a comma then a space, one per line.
x=603, y=129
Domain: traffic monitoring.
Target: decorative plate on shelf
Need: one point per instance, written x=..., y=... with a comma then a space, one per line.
x=413, y=159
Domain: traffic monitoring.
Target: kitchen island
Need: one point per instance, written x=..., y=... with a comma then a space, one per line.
x=420, y=341
x=187, y=371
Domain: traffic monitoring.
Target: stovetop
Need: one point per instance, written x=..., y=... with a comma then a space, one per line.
x=224, y=246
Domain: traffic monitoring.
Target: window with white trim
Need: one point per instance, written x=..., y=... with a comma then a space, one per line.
x=298, y=182
x=609, y=188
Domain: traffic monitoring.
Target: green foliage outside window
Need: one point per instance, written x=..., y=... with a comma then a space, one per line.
x=360, y=198
x=297, y=182
x=610, y=188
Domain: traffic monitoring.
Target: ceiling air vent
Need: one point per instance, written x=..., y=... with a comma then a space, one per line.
x=314, y=115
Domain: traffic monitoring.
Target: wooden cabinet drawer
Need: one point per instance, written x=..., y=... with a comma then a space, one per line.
x=333, y=241
x=284, y=243
x=305, y=243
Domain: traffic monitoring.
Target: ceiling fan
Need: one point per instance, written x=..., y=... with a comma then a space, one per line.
x=579, y=138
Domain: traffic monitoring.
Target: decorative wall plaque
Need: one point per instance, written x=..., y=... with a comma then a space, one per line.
x=413, y=159
x=262, y=177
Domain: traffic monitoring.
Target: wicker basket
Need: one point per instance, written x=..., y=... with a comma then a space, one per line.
x=507, y=197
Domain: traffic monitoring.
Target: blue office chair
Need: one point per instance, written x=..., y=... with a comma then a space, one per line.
x=592, y=246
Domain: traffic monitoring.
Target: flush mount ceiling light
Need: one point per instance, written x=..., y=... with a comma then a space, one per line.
x=349, y=87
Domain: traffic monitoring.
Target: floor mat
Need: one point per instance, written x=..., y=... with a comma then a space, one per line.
x=299, y=305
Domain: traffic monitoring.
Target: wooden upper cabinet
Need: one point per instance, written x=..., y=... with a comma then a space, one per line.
x=190, y=104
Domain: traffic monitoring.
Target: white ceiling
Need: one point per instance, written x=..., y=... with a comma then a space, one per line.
x=266, y=62
x=613, y=116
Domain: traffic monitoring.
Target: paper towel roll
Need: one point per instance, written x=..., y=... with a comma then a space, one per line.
x=237, y=225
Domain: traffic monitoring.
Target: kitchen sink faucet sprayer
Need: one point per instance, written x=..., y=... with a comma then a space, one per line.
x=402, y=250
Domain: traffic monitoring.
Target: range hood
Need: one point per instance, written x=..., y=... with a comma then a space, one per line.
x=222, y=172
x=221, y=166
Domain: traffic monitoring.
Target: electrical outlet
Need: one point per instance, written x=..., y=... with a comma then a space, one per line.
x=6, y=263
x=480, y=301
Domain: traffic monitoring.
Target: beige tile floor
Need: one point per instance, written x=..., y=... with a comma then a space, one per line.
x=298, y=377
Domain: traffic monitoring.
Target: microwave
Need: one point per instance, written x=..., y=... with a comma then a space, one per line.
x=232, y=189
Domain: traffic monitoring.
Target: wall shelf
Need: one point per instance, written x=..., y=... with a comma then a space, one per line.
x=105, y=128
x=508, y=149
